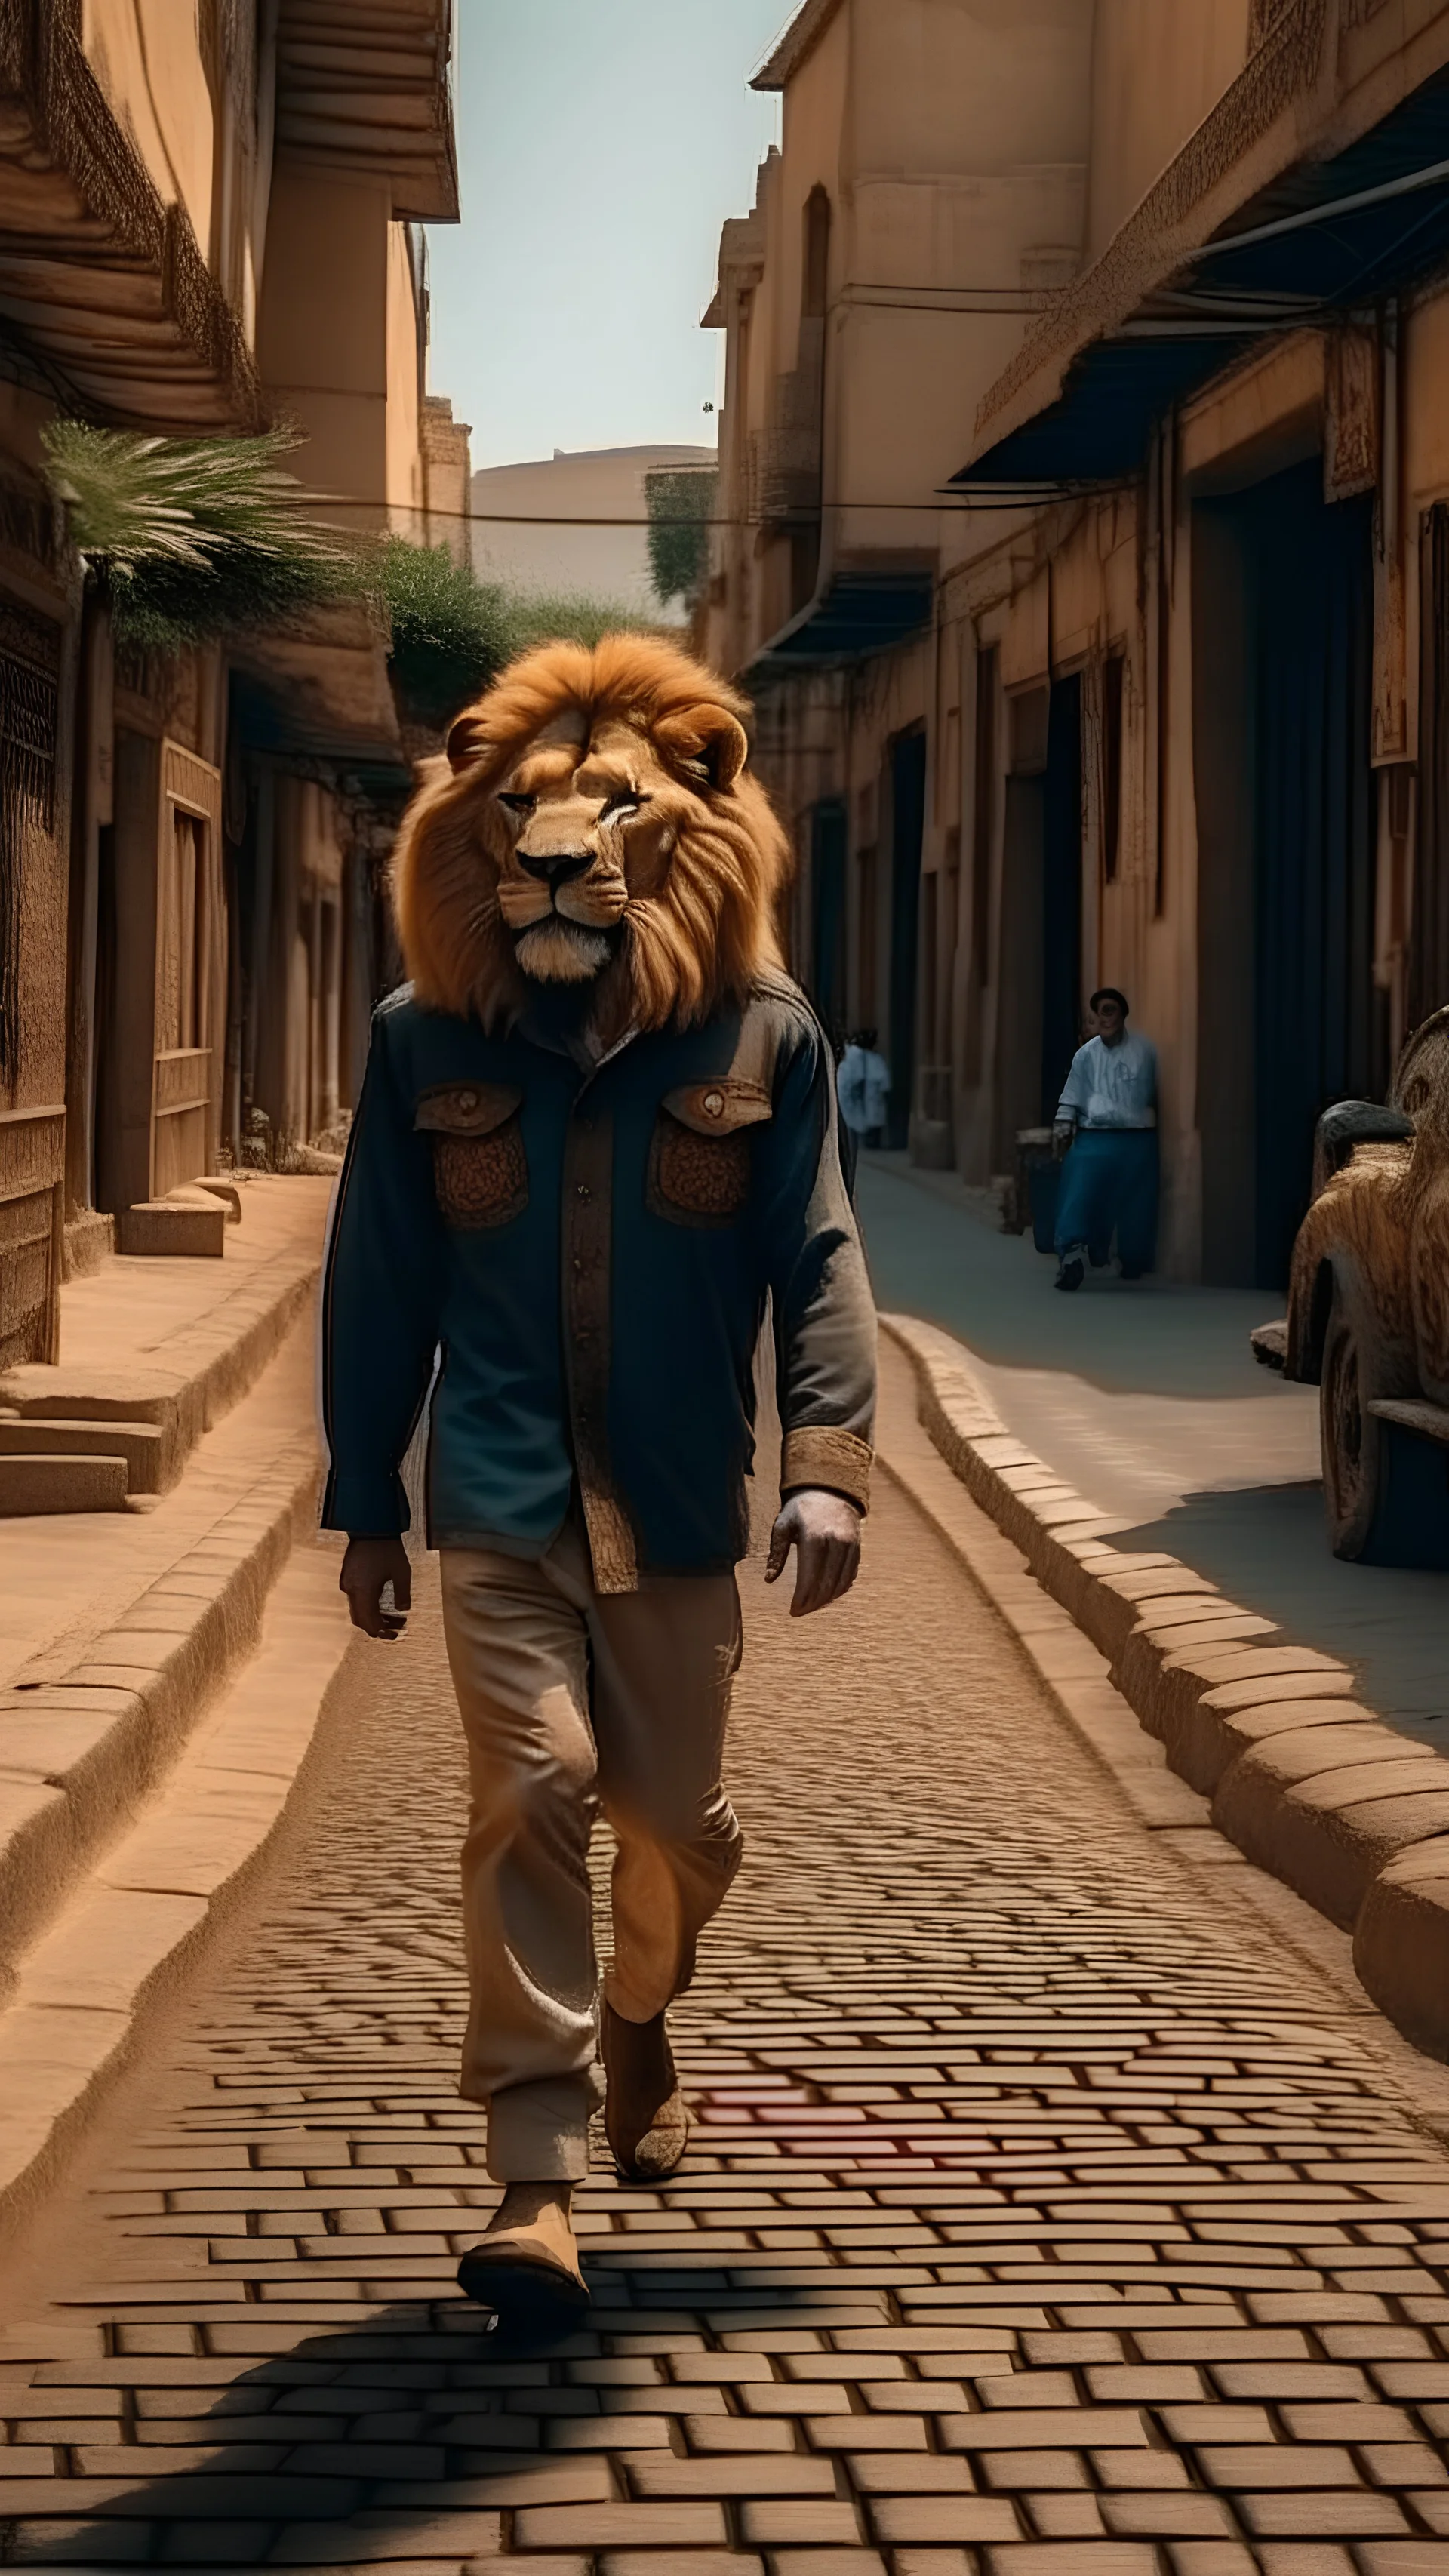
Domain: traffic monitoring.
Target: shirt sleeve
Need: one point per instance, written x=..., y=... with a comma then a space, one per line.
x=1077, y=1091
x=381, y=1302
x=824, y=1313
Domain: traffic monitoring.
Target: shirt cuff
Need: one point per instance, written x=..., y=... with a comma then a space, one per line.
x=365, y=1505
x=836, y=1462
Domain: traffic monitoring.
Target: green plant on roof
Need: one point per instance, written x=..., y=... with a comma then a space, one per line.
x=196, y=537
x=205, y=537
x=452, y=633
x=680, y=506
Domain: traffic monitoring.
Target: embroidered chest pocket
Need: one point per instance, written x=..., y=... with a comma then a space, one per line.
x=699, y=1163
x=480, y=1169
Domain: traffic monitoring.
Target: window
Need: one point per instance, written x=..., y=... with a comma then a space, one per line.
x=815, y=274
x=185, y=928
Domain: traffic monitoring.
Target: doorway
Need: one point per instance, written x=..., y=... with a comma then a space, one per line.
x=1283, y=634
x=1061, y=952
x=1039, y=969
x=908, y=832
x=827, y=917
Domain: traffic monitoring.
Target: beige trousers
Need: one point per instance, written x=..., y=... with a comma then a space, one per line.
x=571, y=1699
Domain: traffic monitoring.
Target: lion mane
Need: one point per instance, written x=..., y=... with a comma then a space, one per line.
x=689, y=946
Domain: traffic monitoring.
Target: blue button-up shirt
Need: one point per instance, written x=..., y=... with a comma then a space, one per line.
x=589, y=1246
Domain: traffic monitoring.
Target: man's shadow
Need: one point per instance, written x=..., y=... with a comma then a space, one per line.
x=413, y=2436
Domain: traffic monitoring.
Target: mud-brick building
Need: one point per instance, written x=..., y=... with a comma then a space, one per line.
x=1180, y=687
x=208, y=220
x=927, y=194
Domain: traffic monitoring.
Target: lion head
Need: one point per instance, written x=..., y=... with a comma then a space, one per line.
x=594, y=823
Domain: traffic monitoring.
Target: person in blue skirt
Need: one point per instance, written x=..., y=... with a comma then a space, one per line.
x=1106, y=1125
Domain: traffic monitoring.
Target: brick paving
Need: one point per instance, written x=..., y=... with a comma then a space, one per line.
x=1046, y=2218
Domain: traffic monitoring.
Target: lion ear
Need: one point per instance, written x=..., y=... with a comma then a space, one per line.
x=707, y=744
x=467, y=741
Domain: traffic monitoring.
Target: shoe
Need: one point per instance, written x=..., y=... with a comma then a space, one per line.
x=1071, y=1273
x=537, y=2294
x=646, y=2120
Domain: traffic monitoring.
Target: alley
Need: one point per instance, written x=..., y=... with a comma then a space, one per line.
x=1039, y=2200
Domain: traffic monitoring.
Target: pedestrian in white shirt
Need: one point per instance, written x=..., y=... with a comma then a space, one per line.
x=863, y=1087
x=1107, y=1116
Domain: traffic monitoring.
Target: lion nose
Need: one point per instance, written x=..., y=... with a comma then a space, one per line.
x=553, y=868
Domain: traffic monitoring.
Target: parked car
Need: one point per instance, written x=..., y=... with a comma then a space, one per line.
x=1368, y=1312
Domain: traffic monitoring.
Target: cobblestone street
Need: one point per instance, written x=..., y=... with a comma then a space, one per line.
x=1044, y=2216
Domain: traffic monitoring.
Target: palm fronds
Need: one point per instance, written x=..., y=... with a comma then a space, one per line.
x=196, y=537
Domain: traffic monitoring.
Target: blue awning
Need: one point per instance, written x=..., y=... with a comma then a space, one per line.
x=858, y=613
x=1326, y=238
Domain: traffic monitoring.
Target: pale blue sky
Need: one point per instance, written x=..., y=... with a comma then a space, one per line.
x=601, y=144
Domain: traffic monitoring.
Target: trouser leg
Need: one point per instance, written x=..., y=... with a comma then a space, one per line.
x=665, y=1658
x=1137, y=1204
x=518, y=1648
x=1080, y=1208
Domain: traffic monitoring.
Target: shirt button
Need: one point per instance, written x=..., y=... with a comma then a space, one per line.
x=714, y=1103
x=467, y=1099
x=584, y=1190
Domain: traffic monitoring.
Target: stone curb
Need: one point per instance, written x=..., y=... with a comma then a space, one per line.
x=86, y=1987
x=1310, y=1785
x=80, y=1752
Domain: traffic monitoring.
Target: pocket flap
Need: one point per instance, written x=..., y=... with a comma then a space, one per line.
x=719, y=1108
x=467, y=1108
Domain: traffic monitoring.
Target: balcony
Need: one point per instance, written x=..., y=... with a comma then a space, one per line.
x=365, y=86
x=786, y=462
x=103, y=290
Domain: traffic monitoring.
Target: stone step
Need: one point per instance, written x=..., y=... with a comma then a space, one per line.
x=35, y=1482
x=143, y=1445
x=81, y=1747
x=172, y=1227
x=163, y=1848
x=215, y=1185
x=192, y=1384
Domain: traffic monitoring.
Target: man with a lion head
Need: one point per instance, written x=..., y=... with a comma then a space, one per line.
x=596, y=1136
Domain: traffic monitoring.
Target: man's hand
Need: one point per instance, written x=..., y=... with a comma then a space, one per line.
x=824, y=1531
x=1062, y=1134
x=369, y=1565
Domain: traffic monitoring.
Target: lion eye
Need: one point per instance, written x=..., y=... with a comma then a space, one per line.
x=625, y=800
x=518, y=804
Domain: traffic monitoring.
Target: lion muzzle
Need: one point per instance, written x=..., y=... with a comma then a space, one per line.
x=555, y=868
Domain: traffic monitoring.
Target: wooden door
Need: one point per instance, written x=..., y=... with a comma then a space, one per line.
x=190, y=972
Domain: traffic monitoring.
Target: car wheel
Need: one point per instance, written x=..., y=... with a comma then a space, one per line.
x=1386, y=1489
x=1352, y=1439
